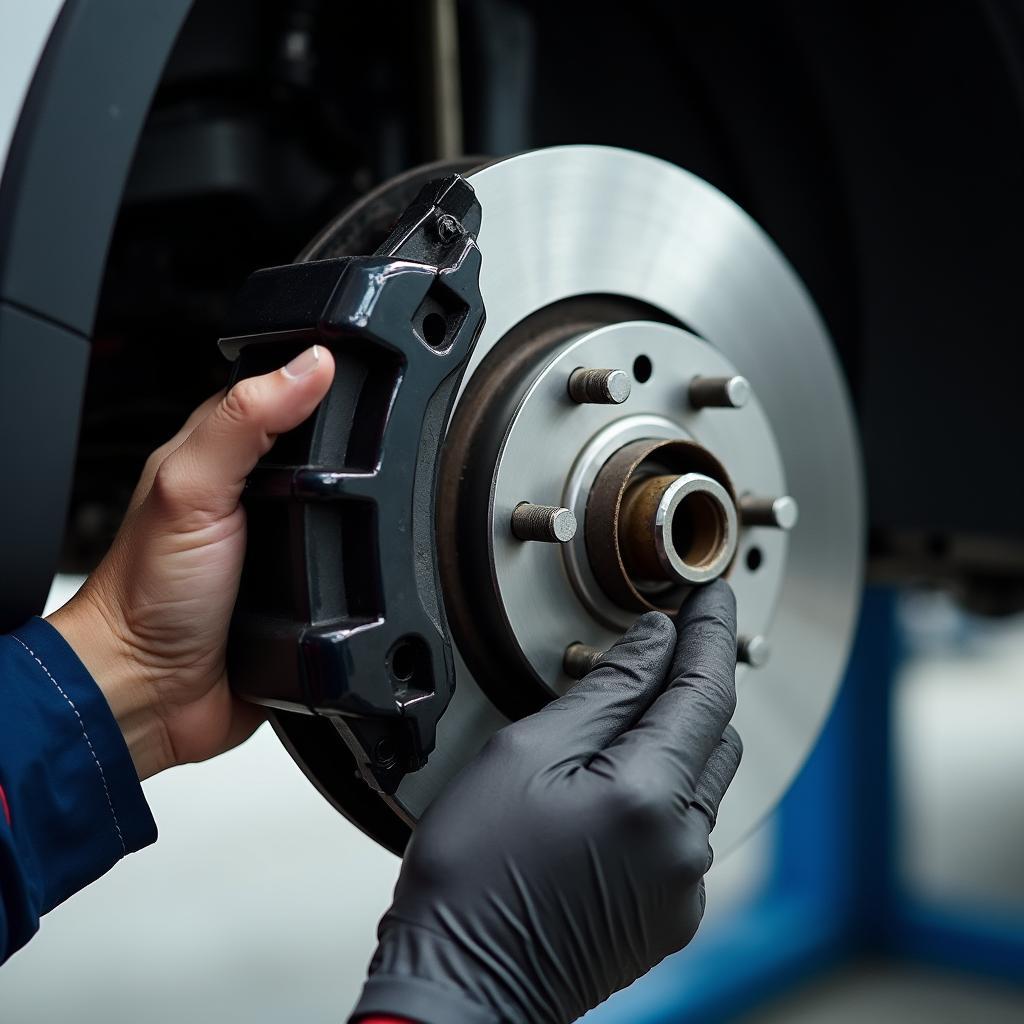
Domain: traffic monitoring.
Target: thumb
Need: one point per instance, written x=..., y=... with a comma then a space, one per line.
x=207, y=472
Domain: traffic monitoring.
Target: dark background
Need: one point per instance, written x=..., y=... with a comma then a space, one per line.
x=879, y=144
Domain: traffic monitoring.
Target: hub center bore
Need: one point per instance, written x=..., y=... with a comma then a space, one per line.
x=661, y=515
x=678, y=529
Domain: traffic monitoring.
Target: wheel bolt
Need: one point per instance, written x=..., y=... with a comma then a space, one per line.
x=547, y=523
x=599, y=387
x=781, y=513
x=753, y=650
x=719, y=392
x=580, y=659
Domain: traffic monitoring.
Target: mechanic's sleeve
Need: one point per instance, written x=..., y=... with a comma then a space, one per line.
x=70, y=801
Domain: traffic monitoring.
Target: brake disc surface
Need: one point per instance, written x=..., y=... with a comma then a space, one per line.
x=584, y=221
x=606, y=258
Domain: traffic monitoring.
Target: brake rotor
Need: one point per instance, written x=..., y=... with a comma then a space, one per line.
x=596, y=257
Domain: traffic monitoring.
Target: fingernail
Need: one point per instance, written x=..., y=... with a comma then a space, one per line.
x=303, y=364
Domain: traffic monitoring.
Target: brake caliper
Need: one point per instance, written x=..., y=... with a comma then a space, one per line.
x=340, y=613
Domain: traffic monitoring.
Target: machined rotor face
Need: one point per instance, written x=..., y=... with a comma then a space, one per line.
x=654, y=481
x=559, y=226
x=652, y=401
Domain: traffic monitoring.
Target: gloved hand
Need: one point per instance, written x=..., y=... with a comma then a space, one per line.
x=569, y=857
x=151, y=623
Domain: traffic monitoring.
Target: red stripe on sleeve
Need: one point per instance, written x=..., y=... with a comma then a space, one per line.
x=7, y=812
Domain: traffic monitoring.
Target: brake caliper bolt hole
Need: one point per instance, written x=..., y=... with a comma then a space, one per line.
x=642, y=369
x=402, y=661
x=435, y=329
x=754, y=559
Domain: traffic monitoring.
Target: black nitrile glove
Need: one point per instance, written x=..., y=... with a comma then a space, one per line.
x=569, y=857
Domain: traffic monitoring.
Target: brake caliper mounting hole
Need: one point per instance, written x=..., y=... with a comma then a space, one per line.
x=435, y=329
x=754, y=559
x=408, y=664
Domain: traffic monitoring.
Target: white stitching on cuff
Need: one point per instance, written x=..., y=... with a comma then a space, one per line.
x=85, y=735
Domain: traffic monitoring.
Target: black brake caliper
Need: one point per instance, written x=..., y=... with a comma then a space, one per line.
x=339, y=613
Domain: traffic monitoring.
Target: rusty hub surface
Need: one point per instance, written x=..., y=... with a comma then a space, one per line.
x=661, y=516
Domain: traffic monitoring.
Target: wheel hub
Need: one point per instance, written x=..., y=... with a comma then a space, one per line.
x=654, y=395
x=613, y=256
x=646, y=479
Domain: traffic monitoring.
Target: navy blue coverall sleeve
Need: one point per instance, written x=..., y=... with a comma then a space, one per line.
x=70, y=801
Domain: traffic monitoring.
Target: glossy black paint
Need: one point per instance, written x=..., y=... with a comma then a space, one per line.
x=340, y=613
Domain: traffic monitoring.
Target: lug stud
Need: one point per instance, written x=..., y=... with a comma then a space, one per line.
x=580, y=659
x=753, y=650
x=547, y=523
x=719, y=392
x=599, y=387
x=781, y=513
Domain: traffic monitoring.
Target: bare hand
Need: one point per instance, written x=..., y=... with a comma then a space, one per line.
x=151, y=622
